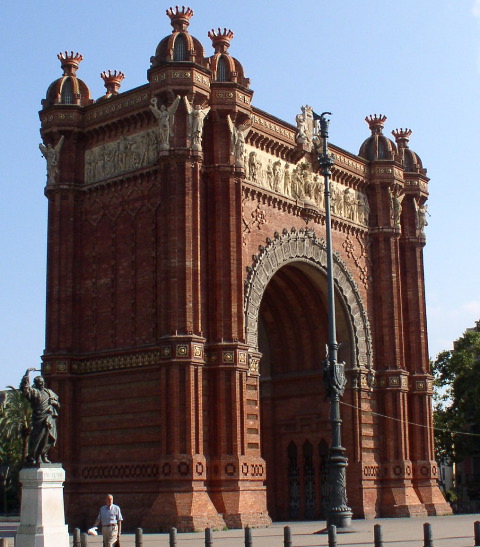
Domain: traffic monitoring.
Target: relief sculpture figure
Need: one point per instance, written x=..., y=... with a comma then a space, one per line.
x=349, y=203
x=52, y=154
x=287, y=180
x=277, y=177
x=363, y=210
x=253, y=167
x=45, y=407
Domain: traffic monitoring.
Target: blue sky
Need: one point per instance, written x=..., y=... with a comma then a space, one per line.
x=417, y=62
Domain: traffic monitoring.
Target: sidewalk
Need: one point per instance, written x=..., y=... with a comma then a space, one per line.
x=452, y=531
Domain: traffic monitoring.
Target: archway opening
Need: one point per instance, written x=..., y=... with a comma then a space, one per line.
x=292, y=336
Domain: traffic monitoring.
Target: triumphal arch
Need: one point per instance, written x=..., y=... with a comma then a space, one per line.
x=186, y=300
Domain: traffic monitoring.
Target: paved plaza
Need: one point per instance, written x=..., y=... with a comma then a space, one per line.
x=452, y=531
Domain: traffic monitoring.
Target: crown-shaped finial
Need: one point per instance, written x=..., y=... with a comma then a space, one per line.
x=221, y=39
x=376, y=123
x=112, y=81
x=70, y=62
x=180, y=19
x=402, y=137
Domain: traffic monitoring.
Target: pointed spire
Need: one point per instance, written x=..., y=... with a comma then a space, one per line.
x=70, y=62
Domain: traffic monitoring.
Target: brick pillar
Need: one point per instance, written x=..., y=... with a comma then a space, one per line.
x=360, y=431
x=61, y=331
x=183, y=500
x=425, y=469
x=237, y=471
x=386, y=190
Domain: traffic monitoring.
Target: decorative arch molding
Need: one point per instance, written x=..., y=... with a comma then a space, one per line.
x=304, y=246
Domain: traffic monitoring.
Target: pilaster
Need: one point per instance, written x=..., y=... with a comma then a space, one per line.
x=399, y=498
x=182, y=500
x=237, y=471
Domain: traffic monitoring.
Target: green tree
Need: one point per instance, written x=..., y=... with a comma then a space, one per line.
x=457, y=399
x=15, y=427
x=15, y=421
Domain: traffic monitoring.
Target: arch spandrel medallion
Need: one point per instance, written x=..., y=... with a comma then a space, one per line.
x=304, y=246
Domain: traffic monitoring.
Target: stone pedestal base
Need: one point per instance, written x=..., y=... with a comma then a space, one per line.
x=42, y=515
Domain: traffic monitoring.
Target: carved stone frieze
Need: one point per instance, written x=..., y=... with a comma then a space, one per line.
x=122, y=156
x=300, y=182
x=305, y=246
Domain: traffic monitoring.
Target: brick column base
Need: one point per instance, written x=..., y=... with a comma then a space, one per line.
x=242, y=504
x=433, y=500
x=191, y=511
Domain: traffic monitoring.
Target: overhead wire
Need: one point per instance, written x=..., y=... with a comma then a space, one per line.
x=444, y=430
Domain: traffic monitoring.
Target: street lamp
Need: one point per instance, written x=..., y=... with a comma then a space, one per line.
x=338, y=512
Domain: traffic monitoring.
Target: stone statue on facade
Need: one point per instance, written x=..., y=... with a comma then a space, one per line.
x=396, y=202
x=52, y=155
x=305, y=126
x=45, y=407
x=166, y=120
x=238, y=141
x=196, y=118
x=422, y=212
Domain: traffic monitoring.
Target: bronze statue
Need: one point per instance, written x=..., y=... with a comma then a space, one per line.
x=45, y=406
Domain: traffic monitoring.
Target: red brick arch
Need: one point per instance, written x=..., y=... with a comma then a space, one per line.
x=304, y=246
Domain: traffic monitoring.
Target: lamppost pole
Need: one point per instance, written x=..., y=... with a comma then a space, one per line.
x=338, y=512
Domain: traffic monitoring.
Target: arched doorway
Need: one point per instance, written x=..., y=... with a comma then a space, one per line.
x=286, y=320
x=293, y=333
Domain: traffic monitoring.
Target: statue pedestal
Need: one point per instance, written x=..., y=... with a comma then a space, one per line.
x=42, y=514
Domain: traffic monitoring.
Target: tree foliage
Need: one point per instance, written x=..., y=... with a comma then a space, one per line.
x=457, y=399
x=15, y=427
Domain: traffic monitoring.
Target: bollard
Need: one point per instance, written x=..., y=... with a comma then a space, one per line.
x=248, y=537
x=332, y=535
x=84, y=540
x=476, y=531
x=287, y=537
x=377, y=535
x=208, y=537
x=76, y=538
x=138, y=537
x=427, y=535
x=173, y=537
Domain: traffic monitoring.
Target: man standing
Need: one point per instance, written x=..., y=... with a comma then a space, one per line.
x=110, y=518
x=45, y=406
